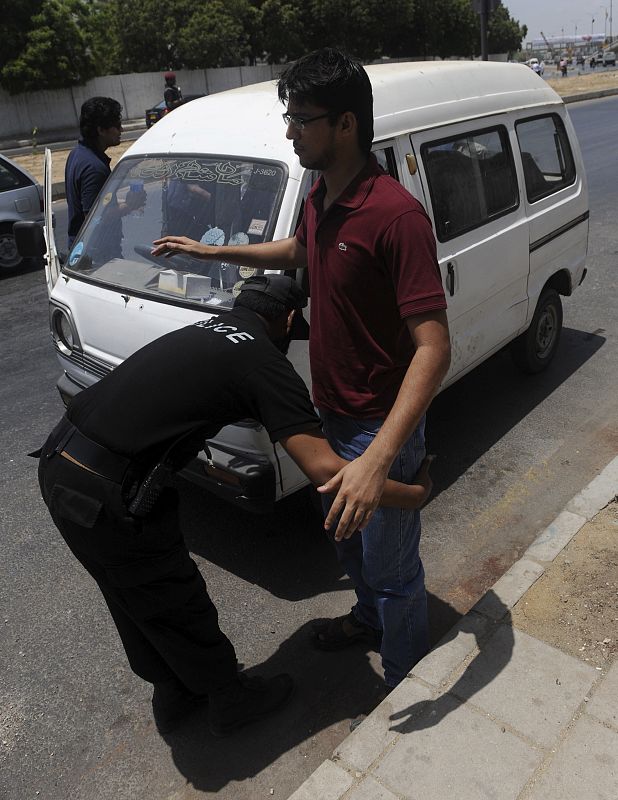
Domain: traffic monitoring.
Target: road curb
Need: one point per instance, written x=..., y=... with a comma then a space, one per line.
x=58, y=191
x=70, y=135
x=352, y=759
x=573, y=98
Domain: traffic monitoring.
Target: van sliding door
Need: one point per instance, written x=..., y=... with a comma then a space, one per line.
x=473, y=197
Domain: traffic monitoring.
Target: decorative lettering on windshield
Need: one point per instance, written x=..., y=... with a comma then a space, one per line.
x=194, y=170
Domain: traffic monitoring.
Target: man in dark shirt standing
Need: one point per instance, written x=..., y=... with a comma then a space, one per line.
x=100, y=470
x=87, y=167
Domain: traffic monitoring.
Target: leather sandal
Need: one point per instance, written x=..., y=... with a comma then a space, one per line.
x=340, y=632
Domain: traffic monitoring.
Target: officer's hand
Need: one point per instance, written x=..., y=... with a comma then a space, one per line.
x=423, y=479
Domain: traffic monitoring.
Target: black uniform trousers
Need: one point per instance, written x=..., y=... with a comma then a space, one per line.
x=156, y=595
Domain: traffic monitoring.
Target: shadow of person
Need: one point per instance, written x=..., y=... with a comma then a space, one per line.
x=270, y=550
x=442, y=618
x=467, y=419
x=330, y=691
x=494, y=641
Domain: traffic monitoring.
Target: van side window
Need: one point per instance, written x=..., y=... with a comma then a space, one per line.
x=386, y=159
x=471, y=179
x=546, y=155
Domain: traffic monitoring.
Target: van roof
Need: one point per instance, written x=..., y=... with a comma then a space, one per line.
x=407, y=96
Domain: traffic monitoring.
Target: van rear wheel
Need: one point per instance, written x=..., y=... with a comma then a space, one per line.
x=534, y=350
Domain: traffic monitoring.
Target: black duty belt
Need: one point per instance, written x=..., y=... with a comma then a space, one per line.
x=89, y=454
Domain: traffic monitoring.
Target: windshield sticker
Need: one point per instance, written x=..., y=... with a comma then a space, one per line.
x=213, y=236
x=194, y=170
x=76, y=254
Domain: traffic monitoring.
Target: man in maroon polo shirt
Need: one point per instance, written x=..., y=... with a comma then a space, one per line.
x=379, y=343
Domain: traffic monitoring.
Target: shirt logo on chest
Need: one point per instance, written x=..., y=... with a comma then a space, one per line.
x=343, y=246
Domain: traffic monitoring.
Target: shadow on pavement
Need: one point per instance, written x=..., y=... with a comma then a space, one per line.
x=494, y=654
x=469, y=417
x=330, y=688
x=272, y=551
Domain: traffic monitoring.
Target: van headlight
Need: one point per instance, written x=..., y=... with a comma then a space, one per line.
x=62, y=331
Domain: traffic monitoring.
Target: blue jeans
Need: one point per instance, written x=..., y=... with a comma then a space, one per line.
x=383, y=559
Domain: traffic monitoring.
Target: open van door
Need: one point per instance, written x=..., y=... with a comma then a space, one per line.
x=52, y=262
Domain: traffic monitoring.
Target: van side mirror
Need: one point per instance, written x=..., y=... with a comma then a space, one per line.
x=30, y=239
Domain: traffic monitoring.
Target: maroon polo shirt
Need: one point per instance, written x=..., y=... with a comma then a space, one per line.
x=372, y=263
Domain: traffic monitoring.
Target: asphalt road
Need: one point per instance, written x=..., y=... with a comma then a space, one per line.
x=512, y=450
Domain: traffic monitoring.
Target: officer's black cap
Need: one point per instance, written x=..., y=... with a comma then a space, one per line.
x=279, y=287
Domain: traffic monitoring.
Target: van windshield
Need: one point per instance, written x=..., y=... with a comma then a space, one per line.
x=212, y=199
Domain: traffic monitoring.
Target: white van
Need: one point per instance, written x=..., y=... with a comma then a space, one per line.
x=487, y=148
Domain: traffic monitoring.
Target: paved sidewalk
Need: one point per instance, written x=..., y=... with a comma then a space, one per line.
x=493, y=712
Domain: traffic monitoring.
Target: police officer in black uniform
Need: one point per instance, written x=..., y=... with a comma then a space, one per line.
x=102, y=474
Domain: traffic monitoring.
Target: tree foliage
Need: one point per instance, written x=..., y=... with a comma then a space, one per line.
x=56, y=43
x=56, y=50
x=218, y=34
x=505, y=34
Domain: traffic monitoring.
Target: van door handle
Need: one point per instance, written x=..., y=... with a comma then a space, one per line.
x=450, y=278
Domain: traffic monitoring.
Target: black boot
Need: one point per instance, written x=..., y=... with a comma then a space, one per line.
x=246, y=700
x=172, y=702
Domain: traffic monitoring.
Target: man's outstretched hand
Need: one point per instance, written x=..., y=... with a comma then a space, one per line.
x=169, y=245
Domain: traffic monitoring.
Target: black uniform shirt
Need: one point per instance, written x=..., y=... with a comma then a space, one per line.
x=196, y=379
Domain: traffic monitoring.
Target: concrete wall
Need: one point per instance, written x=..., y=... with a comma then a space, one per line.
x=59, y=110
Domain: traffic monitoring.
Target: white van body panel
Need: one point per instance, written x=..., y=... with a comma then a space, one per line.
x=489, y=300
x=494, y=273
x=566, y=210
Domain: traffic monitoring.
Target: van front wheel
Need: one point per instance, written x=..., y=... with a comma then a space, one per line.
x=534, y=349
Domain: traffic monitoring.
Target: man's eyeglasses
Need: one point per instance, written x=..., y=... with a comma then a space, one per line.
x=300, y=122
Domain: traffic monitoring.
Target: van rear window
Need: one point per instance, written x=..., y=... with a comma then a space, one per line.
x=471, y=180
x=214, y=200
x=546, y=155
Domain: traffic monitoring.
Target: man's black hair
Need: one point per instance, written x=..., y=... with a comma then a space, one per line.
x=98, y=112
x=332, y=80
x=263, y=304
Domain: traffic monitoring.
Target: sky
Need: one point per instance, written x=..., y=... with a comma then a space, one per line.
x=552, y=16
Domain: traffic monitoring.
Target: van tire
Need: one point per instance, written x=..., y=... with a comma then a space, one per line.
x=534, y=350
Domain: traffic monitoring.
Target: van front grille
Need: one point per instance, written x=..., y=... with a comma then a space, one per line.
x=89, y=364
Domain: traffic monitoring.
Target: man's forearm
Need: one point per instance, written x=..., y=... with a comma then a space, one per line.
x=279, y=254
x=320, y=463
x=422, y=380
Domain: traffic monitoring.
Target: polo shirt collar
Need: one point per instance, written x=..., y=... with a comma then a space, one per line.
x=354, y=194
x=98, y=153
